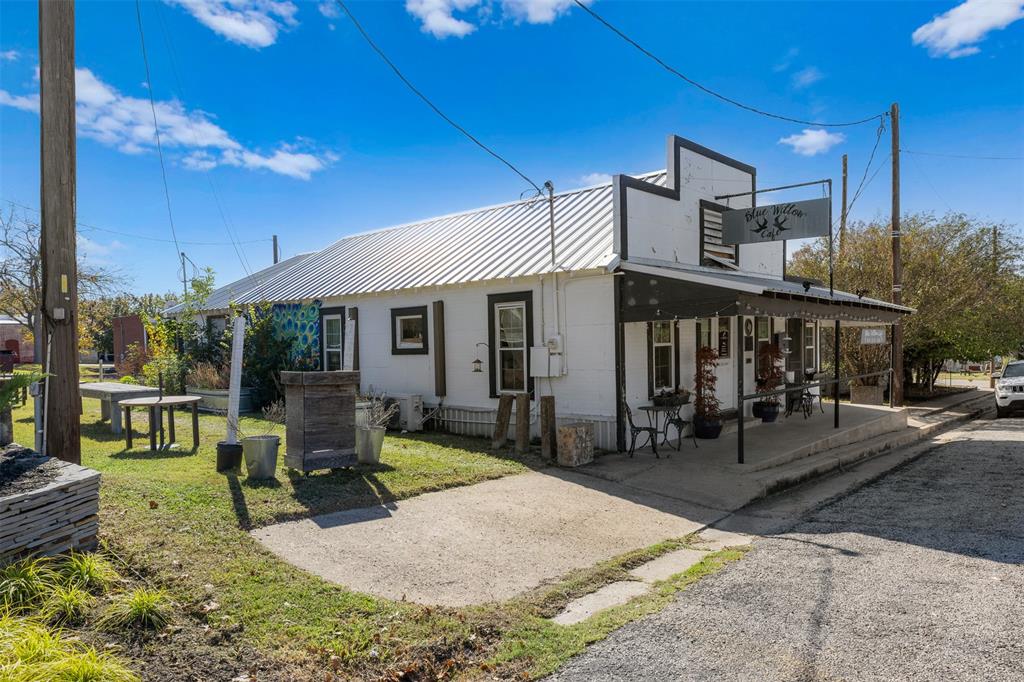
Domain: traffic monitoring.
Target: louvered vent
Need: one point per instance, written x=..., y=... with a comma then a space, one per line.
x=711, y=234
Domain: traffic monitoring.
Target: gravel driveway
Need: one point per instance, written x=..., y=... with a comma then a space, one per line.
x=917, y=576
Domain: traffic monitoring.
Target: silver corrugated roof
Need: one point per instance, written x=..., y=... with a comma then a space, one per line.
x=498, y=242
x=223, y=297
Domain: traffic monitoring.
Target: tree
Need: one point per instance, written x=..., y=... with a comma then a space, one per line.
x=966, y=287
x=21, y=288
x=96, y=316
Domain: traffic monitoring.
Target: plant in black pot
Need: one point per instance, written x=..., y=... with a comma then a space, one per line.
x=666, y=398
x=769, y=377
x=707, y=408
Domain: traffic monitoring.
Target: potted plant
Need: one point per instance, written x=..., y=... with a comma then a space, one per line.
x=260, y=451
x=707, y=412
x=10, y=395
x=370, y=436
x=769, y=378
x=211, y=381
x=664, y=398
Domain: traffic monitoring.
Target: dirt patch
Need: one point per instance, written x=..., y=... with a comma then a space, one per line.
x=22, y=470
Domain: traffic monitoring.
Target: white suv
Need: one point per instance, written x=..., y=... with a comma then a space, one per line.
x=1010, y=389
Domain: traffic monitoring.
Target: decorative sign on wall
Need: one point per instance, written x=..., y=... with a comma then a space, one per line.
x=723, y=342
x=872, y=337
x=775, y=222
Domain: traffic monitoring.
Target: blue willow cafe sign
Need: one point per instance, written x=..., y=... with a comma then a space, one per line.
x=776, y=222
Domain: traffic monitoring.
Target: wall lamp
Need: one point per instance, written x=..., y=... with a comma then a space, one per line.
x=477, y=364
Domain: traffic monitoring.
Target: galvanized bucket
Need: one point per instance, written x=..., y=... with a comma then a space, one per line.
x=369, y=441
x=261, y=455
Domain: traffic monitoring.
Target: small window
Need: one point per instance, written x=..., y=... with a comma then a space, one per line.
x=809, y=345
x=663, y=356
x=704, y=333
x=409, y=331
x=216, y=325
x=510, y=336
x=332, y=342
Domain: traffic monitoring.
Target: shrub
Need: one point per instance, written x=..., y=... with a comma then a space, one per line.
x=276, y=412
x=24, y=642
x=128, y=379
x=24, y=584
x=81, y=666
x=91, y=572
x=141, y=608
x=706, y=403
x=30, y=652
x=66, y=605
x=209, y=375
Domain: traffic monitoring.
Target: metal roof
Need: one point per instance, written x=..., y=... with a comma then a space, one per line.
x=222, y=297
x=498, y=242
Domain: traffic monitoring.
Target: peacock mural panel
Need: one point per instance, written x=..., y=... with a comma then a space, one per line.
x=301, y=323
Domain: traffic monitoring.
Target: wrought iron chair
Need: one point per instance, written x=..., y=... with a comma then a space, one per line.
x=679, y=423
x=635, y=431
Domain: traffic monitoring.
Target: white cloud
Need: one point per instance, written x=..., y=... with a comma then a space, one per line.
x=806, y=77
x=95, y=252
x=811, y=142
x=23, y=102
x=438, y=16
x=126, y=123
x=9, y=55
x=329, y=9
x=787, y=60
x=594, y=179
x=253, y=23
x=955, y=33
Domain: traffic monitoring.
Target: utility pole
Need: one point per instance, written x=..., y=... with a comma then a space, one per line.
x=276, y=256
x=995, y=275
x=184, y=274
x=63, y=405
x=897, y=265
x=842, y=216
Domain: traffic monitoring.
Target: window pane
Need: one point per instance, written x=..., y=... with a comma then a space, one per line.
x=332, y=332
x=762, y=328
x=410, y=331
x=662, y=332
x=704, y=332
x=663, y=367
x=333, y=360
x=512, y=370
x=512, y=327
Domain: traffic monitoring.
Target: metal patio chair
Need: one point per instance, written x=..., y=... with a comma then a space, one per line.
x=679, y=423
x=635, y=431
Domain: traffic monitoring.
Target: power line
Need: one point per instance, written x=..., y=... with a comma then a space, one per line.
x=708, y=90
x=964, y=156
x=156, y=126
x=427, y=101
x=871, y=158
x=132, y=235
x=927, y=180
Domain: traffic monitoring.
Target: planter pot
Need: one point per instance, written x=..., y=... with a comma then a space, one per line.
x=866, y=395
x=769, y=412
x=229, y=456
x=369, y=441
x=216, y=399
x=6, y=428
x=261, y=455
x=757, y=409
x=705, y=428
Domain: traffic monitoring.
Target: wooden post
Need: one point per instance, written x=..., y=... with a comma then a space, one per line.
x=276, y=256
x=842, y=215
x=57, y=240
x=128, y=426
x=548, y=428
x=152, y=427
x=897, y=264
x=522, y=423
x=195, y=425
x=501, y=421
x=170, y=424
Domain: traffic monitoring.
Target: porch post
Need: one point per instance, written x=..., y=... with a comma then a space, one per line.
x=892, y=363
x=835, y=389
x=739, y=388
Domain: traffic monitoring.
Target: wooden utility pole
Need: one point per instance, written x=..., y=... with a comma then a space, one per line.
x=842, y=215
x=57, y=241
x=897, y=265
x=995, y=276
x=276, y=257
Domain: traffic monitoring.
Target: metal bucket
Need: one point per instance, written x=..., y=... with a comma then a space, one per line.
x=260, y=455
x=369, y=441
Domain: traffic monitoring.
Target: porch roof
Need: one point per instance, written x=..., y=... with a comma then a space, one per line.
x=653, y=292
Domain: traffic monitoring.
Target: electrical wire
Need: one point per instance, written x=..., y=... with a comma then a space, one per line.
x=427, y=101
x=708, y=90
x=964, y=156
x=919, y=169
x=132, y=235
x=156, y=126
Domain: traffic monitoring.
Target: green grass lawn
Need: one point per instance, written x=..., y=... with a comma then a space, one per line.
x=184, y=526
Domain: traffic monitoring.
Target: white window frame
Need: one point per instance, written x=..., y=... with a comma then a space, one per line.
x=498, y=350
x=406, y=345
x=340, y=349
x=673, y=352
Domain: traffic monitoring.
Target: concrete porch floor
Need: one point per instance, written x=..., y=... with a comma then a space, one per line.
x=709, y=474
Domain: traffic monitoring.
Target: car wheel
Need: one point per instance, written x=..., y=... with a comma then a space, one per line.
x=1002, y=411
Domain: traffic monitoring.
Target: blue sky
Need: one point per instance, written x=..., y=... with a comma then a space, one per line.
x=279, y=114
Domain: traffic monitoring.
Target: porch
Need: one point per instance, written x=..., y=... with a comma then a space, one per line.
x=709, y=474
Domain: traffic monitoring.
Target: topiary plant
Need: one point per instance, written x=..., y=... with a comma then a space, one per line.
x=706, y=404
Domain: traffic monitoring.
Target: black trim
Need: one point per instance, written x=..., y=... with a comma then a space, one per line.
x=624, y=182
x=676, y=350
x=492, y=346
x=337, y=310
x=440, y=371
x=705, y=204
x=650, y=360
x=411, y=311
x=620, y=366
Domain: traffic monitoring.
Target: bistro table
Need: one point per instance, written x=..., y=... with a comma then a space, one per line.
x=157, y=405
x=667, y=414
x=110, y=394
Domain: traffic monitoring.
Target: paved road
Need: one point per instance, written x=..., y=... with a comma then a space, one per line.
x=919, y=575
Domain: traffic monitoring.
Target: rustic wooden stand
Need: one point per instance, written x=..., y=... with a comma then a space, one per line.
x=321, y=419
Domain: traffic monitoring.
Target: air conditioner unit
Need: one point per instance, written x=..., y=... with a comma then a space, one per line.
x=410, y=411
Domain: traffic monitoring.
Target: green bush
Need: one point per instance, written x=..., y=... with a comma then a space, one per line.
x=141, y=608
x=91, y=572
x=30, y=652
x=66, y=605
x=128, y=379
x=25, y=584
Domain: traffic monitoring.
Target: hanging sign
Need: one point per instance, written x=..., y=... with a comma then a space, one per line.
x=872, y=337
x=723, y=342
x=775, y=222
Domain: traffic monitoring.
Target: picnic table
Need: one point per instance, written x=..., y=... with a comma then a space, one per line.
x=110, y=394
x=157, y=405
